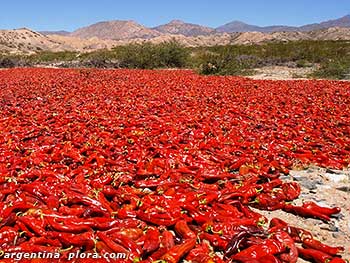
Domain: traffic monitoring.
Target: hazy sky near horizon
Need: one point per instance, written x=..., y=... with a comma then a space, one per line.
x=72, y=14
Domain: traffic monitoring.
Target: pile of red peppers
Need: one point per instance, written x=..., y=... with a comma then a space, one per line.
x=164, y=166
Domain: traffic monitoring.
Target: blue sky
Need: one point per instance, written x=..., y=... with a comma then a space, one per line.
x=72, y=14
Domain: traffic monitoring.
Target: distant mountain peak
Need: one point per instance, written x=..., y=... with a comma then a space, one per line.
x=116, y=29
x=239, y=26
x=179, y=27
x=130, y=29
x=237, y=22
x=177, y=22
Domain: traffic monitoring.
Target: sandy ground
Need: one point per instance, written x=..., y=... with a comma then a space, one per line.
x=281, y=73
x=327, y=188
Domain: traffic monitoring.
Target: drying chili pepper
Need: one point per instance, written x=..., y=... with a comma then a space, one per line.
x=131, y=233
x=167, y=239
x=177, y=252
x=33, y=224
x=306, y=212
x=66, y=227
x=267, y=247
x=111, y=244
x=85, y=240
x=315, y=255
x=183, y=230
x=200, y=253
x=215, y=240
x=86, y=166
x=315, y=244
x=288, y=242
x=337, y=260
x=154, y=218
x=322, y=210
x=298, y=234
x=152, y=240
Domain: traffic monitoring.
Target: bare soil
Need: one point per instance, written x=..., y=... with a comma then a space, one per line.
x=282, y=73
x=326, y=187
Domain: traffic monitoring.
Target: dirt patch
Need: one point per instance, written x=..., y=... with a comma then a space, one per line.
x=327, y=188
x=282, y=73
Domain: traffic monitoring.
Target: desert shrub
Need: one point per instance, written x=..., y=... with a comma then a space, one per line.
x=13, y=62
x=48, y=56
x=334, y=69
x=150, y=56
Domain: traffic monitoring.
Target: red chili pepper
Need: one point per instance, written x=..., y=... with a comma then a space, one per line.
x=133, y=248
x=315, y=244
x=237, y=240
x=66, y=227
x=291, y=190
x=85, y=240
x=322, y=210
x=111, y=244
x=183, y=230
x=315, y=255
x=268, y=247
x=152, y=218
x=337, y=260
x=152, y=240
x=305, y=212
x=33, y=224
x=215, y=240
x=177, y=252
x=288, y=242
x=167, y=240
x=131, y=233
x=8, y=235
x=200, y=253
x=298, y=234
x=44, y=241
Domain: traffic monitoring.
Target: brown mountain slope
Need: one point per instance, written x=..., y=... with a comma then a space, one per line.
x=238, y=26
x=28, y=41
x=178, y=27
x=24, y=40
x=116, y=30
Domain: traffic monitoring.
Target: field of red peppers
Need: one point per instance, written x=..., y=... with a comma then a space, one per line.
x=163, y=165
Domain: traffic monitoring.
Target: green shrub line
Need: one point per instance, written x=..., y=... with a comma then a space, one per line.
x=331, y=57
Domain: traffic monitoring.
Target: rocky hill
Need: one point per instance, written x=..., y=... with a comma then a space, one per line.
x=178, y=27
x=61, y=33
x=28, y=41
x=24, y=40
x=116, y=30
x=238, y=26
x=125, y=30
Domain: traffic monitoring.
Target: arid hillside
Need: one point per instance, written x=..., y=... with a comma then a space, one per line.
x=28, y=41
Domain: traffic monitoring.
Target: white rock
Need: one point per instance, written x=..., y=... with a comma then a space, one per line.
x=337, y=178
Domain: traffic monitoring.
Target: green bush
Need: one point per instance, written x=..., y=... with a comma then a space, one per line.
x=334, y=69
x=48, y=56
x=331, y=56
x=149, y=56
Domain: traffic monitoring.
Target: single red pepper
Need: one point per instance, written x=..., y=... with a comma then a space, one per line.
x=177, y=252
x=167, y=239
x=315, y=244
x=268, y=247
x=315, y=255
x=111, y=244
x=152, y=240
x=288, y=242
x=305, y=212
x=68, y=228
x=338, y=260
x=183, y=230
x=322, y=210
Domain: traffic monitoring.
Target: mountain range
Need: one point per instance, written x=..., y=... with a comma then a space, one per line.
x=108, y=34
x=121, y=30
